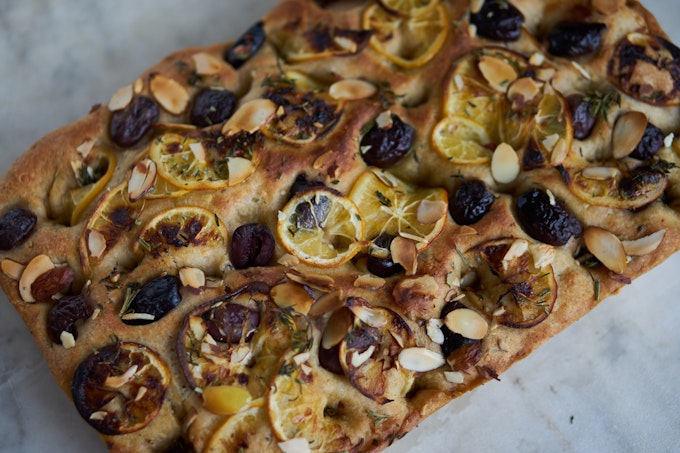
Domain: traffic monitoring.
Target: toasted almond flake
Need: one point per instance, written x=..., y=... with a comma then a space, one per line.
x=169, y=93
x=465, y=230
x=559, y=153
x=459, y=82
x=95, y=313
x=638, y=39
x=337, y=327
x=523, y=91
x=327, y=303
x=434, y=330
x=430, y=212
x=141, y=391
x=550, y=141
x=386, y=178
x=404, y=252
x=505, y=164
x=11, y=268
x=198, y=150
x=34, y=269
x=239, y=169
x=467, y=323
x=384, y=120
x=119, y=381
x=301, y=358
x=138, y=86
x=316, y=281
x=420, y=359
x=628, y=131
x=142, y=179
x=85, y=148
x=344, y=43
x=455, y=377
x=536, y=59
x=291, y=294
x=368, y=315
x=296, y=445
x=606, y=247
x=601, y=173
x=359, y=358
x=207, y=64
x=476, y=5
x=369, y=281
x=644, y=245
x=121, y=98
x=551, y=197
x=499, y=311
x=472, y=30
x=138, y=317
x=98, y=415
x=542, y=254
x=584, y=73
x=516, y=249
x=668, y=140
x=250, y=116
x=324, y=160
x=192, y=277
x=67, y=340
x=498, y=72
x=287, y=259
x=96, y=243
x=545, y=74
x=352, y=90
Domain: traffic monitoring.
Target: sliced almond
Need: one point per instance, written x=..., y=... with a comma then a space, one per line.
x=99, y=415
x=476, y=5
x=239, y=169
x=536, y=59
x=346, y=44
x=467, y=323
x=142, y=179
x=505, y=164
x=430, y=212
x=644, y=245
x=516, y=249
x=291, y=294
x=11, y=268
x=404, y=252
x=628, y=131
x=96, y=243
x=523, y=91
x=117, y=382
x=141, y=391
x=198, y=150
x=121, y=98
x=559, y=152
x=434, y=330
x=169, y=93
x=386, y=178
x=138, y=85
x=337, y=327
x=192, y=277
x=359, y=358
x=542, y=254
x=668, y=140
x=420, y=359
x=138, y=317
x=498, y=72
x=369, y=281
x=295, y=445
x=324, y=160
x=368, y=315
x=327, y=303
x=316, y=281
x=384, y=120
x=455, y=377
x=288, y=260
x=601, y=173
x=352, y=90
x=606, y=247
x=67, y=340
x=583, y=71
x=34, y=269
x=550, y=141
x=250, y=116
x=207, y=64
x=85, y=148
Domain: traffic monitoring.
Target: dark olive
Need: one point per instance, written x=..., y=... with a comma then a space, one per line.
x=232, y=323
x=251, y=245
x=362, y=337
x=546, y=220
x=129, y=125
x=581, y=117
x=64, y=314
x=572, y=39
x=15, y=225
x=302, y=184
x=212, y=107
x=650, y=144
x=155, y=298
x=455, y=343
x=471, y=201
x=498, y=20
x=330, y=359
x=384, y=146
x=383, y=267
x=310, y=214
x=532, y=157
x=246, y=46
x=635, y=184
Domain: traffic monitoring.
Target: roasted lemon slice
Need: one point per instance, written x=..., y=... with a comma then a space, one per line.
x=462, y=141
x=321, y=228
x=94, y=174
x=246, y=432
x=408, y=42
x=553, y=131
x=393, y=207
x=409, y=8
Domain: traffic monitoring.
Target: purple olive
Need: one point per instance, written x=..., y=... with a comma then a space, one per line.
x=15, y=225
x=545, y=219
x=64, y=314
x=383, y=267
x=581, y=117
x=498, y=20
x=156, y=298
x=471, y=201
x=650, y=144
x=385, y=146
x=572, y=39
x=129, y=125
x=212, y=107
x=246, y=46
x=251, y=245
x=232, y=323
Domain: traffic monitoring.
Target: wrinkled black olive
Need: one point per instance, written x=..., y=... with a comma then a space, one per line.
x=246, y=46
x=498, y=20
x=310, y=214
x=212, y=107
x=156, y=298
x=15, y=225
x=384, y=146
x=129, y=125
x=330, y=359
x=572, y=39
x=64, y=314
x=383, y=267
x=232, y=323
x=452, y=340
x=581, y=118
x=532, y=157
x=302, y=184
x=635, y=184
x=650, y=144
x=471, y=201
x=546, y=222
x=251, y=245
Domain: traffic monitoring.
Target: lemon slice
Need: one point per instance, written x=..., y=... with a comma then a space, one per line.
x=321, y=228
x=409, y=42
x=412, y=8
x=245, y=431
x=462, y=141
x=188, y=163
x=553, y=131
x=391, y=206
x=82, y=197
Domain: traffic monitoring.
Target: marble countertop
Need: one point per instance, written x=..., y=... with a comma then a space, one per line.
x=609, y=383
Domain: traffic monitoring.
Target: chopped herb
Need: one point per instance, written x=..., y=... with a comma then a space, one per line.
x=377, y=417
x=383, y=199
x=601, y=101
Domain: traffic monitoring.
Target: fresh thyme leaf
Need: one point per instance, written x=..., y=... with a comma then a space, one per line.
x=601, y=101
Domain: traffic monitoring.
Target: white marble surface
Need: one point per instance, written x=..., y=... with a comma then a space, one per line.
x=607, y=384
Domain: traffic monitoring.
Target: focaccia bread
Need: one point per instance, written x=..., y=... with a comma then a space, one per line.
x=317, y=235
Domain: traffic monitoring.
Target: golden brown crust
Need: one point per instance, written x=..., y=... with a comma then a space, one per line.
x=454, y=268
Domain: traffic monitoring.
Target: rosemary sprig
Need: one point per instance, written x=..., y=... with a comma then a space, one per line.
x=601, y=101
